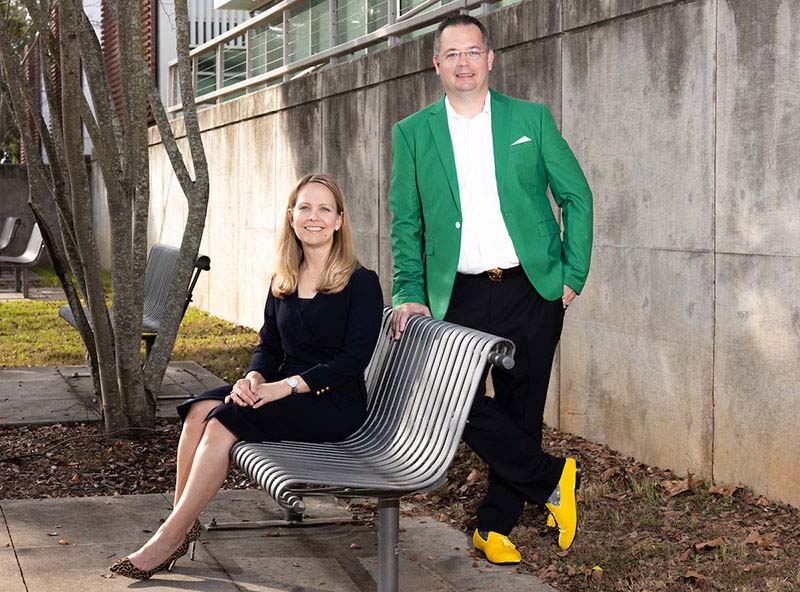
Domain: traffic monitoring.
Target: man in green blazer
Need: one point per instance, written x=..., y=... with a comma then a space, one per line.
x=475, y=242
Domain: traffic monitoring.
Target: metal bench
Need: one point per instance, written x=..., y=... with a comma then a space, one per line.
x=420, y=391
x=22, y=263
x=157, y=279
x=10, y=225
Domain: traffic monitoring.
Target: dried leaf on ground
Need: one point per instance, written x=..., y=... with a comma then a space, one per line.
x=707, y=545
x=724, y=489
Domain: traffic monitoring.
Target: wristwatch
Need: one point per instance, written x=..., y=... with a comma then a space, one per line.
x=293, y=382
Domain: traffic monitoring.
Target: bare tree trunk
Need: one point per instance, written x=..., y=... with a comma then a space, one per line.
x=78, y=183
x=127, y=391
x=196, y=192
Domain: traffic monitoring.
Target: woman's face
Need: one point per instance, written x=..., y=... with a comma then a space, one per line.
x=314, y=217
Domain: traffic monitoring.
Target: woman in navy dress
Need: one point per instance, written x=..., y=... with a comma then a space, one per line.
x=306, y=379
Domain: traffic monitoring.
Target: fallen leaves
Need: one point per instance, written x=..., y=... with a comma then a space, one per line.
x=674, y=487
x=696, y=577
x=708, y=545
x=724, y=489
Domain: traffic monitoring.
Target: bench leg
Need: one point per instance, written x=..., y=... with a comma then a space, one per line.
x=25, y=278
x=388, y=544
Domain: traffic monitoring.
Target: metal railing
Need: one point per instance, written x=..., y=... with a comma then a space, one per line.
x=294, y=37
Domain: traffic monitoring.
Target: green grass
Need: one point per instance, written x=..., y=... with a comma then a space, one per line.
x=49, y=279
x=32, y=334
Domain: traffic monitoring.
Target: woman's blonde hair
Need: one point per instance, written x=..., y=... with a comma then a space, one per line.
x=342, y=260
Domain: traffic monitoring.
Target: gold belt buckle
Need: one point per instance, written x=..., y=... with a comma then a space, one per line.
x=496, y=274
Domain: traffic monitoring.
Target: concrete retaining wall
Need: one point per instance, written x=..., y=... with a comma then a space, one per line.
x=684, y=349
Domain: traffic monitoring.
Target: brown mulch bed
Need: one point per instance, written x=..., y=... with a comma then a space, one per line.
x=641, y=528
x=76, y=460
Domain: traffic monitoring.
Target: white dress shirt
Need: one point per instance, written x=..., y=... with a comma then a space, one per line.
x=485, y=242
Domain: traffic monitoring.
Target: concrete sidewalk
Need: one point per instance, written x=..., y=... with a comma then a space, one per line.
x=67, y=545
x=64, y=393
x=54, y=545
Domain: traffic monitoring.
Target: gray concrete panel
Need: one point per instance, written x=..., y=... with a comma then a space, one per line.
x=167, y=216
x=352, y=139
x=636, y=357
x=638, y=112
x=298, y=151
x=756, y=374
x=758, y=185
x=255, y=154
x=345, y=77
x=219, y=115
x=385, y=268
x=579, y=13
x=258, y=204
x=531, y=71
x=256, y=265
x=522, y=22
x=367, y=250
x=225, y=226
x=298, y=91
x=552, y=407
x=404, y=59
x=10, y=578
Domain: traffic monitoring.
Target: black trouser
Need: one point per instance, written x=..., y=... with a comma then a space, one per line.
x=506, y=431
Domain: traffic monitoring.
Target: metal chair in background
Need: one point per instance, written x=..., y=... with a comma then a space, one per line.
x=157, y=279
x=21, y=264
x=10, y=226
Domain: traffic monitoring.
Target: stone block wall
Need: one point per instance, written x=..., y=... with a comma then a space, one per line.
x=684, y=348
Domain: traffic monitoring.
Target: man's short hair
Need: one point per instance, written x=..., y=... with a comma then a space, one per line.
x=455, y=20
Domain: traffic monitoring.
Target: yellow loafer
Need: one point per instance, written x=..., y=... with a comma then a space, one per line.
x=496, y=548
x=565, y=514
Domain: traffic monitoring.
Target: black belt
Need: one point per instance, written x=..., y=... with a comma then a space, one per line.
x=497, y=274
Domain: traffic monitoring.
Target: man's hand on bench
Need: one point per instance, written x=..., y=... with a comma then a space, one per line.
x=402, y=313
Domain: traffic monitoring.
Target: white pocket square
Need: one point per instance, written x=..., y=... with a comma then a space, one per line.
x=522, y=140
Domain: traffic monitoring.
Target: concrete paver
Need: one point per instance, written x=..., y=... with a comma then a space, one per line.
x=336, y=558
x=10, y=576
x=64, y=393
x=86, y=520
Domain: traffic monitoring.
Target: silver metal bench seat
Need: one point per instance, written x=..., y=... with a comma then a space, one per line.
x=10, y=225
x=420, y=391
x=23, y=262
x=157, y=279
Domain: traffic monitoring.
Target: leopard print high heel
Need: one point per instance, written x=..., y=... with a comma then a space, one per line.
x=124, y=567
x=193, y=536
x=188, y=545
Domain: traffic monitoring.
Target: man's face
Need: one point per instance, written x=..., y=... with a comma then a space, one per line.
x=463, y=64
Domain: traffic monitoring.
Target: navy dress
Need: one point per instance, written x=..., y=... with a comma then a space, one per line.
x=328, y=340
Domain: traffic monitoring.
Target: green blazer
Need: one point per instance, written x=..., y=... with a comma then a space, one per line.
x=426, y=208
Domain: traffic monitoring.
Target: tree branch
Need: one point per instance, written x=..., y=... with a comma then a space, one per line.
x=167, y=135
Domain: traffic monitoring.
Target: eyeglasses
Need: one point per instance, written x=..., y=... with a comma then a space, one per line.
x=473, y=55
